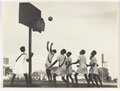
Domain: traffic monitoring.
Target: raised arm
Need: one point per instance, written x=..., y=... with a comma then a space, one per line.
x=51, y=47
x=48, y=46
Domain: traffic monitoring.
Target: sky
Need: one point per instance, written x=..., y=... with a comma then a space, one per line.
x=75, y=26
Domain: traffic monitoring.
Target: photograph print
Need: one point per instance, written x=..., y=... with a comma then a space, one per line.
x=60, y=44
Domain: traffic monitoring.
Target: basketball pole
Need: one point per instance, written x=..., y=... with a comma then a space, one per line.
x=35, y=23
x=30, y=59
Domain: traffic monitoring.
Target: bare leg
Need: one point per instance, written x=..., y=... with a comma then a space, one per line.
x=50, y=75
x=26, y=78
x=85, y=75
x=47, y=72
x=99, y=80
x=76, y=80
x=90, y=79
x=72, y=80
x=95, y=79
x=13, y=78
x=54, y=79
x=67, y=80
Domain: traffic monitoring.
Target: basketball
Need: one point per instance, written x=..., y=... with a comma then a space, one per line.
x=50, y=18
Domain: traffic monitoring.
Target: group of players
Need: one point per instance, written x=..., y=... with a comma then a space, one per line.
x=64, y=68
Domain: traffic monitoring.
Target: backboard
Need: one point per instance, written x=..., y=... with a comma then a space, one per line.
x=28, y=14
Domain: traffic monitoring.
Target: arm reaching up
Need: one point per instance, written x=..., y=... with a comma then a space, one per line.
x=48, y=46
x=51, y=47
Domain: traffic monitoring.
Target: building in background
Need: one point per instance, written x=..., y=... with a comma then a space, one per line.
x=7, y=71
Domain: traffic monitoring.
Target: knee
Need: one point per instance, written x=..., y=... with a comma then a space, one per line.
x=14, y=75
x=90, y=77
x=85, y=75
x=54, y=75
x=75, y=74
x=94, y=76
x=47, y=70
x=67, y=76
x=63, y=78
x=71, y=77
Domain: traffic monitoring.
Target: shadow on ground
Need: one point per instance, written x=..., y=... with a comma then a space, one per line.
x=46, y=84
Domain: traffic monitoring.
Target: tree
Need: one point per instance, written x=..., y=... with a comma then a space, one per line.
x=8, y=71
x=105, y=73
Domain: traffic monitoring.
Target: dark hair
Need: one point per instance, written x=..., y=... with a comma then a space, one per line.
x=22, y=49
x=82, y=51
x=93, y=52
x=91, y=57
x=63, y=51
x=54, y=51
x=68, y=53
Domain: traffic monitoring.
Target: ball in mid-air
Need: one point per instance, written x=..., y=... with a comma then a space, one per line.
x=50, y=18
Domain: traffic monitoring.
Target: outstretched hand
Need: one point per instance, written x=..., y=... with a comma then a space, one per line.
x=31, y=54
x=87, y=65
x=97, y=65
x=59, y=65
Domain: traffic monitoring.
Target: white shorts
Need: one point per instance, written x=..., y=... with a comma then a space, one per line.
x=69, y=70
x=95, y=70
x=47, y=65
x=20, y=69
x=61, y=71
x=82, y=70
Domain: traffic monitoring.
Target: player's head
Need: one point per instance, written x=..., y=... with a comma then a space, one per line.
x=54, y=51
x=63, y=51
x=93, y=52
x=22, y=49
x=69, y=54
x=82, y=52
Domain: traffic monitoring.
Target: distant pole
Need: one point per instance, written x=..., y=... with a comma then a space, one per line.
x=102, y=65
x=30, y=59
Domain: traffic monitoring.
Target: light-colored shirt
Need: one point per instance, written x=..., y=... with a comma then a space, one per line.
x=50, y=56
x=82, y=59
x=68, y=59
x=61, y=59
x=94, y=69
x=49, y=60
x=21, y=65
